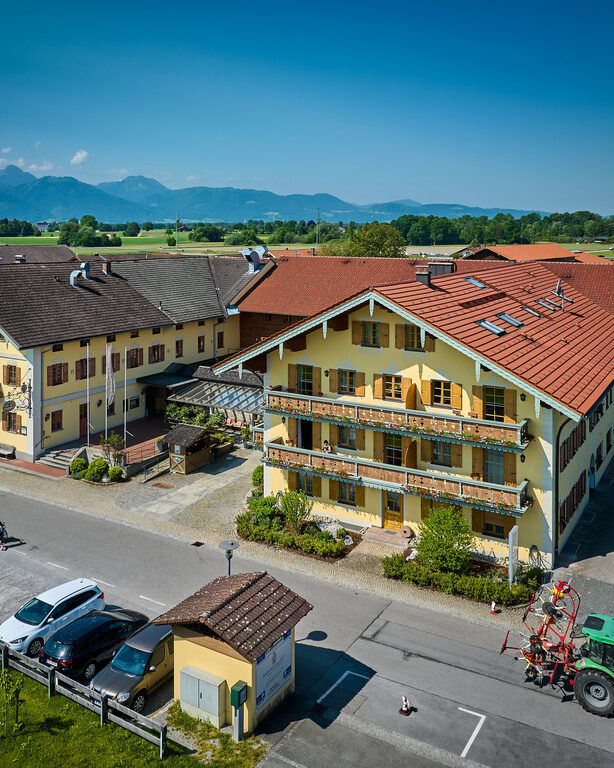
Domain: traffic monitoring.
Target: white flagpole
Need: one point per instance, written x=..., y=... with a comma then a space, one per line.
x=125, y=390
x=87, y=389
x=106, y=397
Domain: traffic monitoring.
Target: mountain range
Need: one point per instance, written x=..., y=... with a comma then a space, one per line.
x=138, y=198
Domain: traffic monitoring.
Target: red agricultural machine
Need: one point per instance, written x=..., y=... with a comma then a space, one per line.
x=549, y=647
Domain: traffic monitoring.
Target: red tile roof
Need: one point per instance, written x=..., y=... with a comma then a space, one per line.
x=303, y=285
x=593, y=280
x=537, y=252
x=249, y=611
x=567, y=354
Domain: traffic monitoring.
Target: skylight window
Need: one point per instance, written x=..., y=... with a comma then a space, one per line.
x=496, y=329
x=531, y=311
x=509, y=319
x=475, y=282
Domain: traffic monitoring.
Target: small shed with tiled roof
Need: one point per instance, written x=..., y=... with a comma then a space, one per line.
x=189, y=447
x=236, y=628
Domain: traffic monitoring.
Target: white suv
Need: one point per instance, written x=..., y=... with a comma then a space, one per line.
x=42, y=616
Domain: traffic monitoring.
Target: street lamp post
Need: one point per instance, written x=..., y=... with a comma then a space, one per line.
x=229, y=547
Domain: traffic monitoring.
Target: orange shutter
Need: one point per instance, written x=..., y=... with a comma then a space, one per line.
x=292, y=431
x=292, y=481
x=360, y=384
x=429, y=343
x=477, y=463
x=356, y=332
x=405, y=389
x=316, y=381
x=333, y=381
x=426, y=450
x=316, y=484
x=333, y=490
x=456, y=396
x=5, y=375
x=360, y=495
x=360, y=439
x=477, y=402
x=378, y=386
x=316, y=435
x=456, y=454
x=378, y=446
x=384, y=335
x=509, y=466
x=399, y=336
x=425, y=391
x=333, y=434
x=510, y=406
x=477, y=517
x=291, y=377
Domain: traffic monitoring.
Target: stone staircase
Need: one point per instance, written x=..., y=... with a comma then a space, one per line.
x=58, y=459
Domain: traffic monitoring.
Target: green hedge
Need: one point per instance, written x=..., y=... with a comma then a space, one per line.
x=78, y=465
x=116, y=474
x=479, y=589
x=96, y=470
x=253, y=531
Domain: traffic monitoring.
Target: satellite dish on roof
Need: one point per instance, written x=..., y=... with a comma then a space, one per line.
x=8, y=405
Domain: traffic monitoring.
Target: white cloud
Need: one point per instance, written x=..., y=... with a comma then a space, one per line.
x=6, y=150
x=42, y=167
x=192, y=179
x=79, y=157
x=3, y=163
x=20, y=162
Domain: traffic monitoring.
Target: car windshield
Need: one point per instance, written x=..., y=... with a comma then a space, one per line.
x=56, y=649
x=33, y=612
x=130, y=661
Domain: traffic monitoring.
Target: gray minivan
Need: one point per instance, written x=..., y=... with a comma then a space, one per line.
x=143, y=663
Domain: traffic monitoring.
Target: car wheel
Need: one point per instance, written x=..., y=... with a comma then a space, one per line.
x=89, y=670
x=35, y=647
x=138, y=703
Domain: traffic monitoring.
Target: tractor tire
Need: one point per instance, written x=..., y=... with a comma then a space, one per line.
x=594, y=690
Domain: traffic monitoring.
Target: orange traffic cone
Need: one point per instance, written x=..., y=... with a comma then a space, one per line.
x=404, y=707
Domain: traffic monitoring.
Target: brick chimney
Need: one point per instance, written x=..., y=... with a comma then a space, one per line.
x=106, y=267
x=423, y=275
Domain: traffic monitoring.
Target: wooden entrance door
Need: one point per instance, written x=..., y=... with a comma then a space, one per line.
x=83, y=419
x=393, y=511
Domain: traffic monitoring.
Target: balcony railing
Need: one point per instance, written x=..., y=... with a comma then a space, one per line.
x=453, y=489
x=450, y=428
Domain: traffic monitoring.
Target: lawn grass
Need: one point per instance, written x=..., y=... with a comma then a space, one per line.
x=58, y=733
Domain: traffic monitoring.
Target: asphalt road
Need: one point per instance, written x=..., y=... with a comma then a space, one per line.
x=357, y=654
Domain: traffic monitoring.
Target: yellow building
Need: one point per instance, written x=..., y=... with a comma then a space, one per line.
x=491, y=392
x=156, y=316
x=238, y=628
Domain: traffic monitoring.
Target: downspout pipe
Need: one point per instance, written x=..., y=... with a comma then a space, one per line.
x=556, y=487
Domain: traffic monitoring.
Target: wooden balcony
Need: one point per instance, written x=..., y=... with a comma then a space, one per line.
x=453, y=489
x=450, y=428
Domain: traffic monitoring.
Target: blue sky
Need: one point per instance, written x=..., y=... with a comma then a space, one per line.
x=493, y=104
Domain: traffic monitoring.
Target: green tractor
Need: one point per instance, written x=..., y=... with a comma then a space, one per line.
x=594, y=681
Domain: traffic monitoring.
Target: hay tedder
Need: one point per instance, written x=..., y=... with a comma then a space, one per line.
x=556, y=650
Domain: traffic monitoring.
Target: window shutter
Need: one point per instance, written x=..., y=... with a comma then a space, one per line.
x=18, y=420
x=356, y=332
x=316, y=435
x=426, y=450
x=5, y=421
x=360, y=495
x=477, y=463
x=456, y=392
x=316, y=484
x=509, y=467
x=477, y=403
x=49, y=375
x=360, y=384
x=562, y=456
x=399, y=336
x=405, y=389
x=161, y=353
x=140, y=356
x=384, y=335
x=510, y=406
x=425, y=391
x=115, y=361
x=378, y=446
x=333, y=434
x=333, y=490
x=5, y=374
x=291, y=377
x=19, y=374
x=429, y=343
x=333, y=380
x=477, y=517
x=92, y=366
x=360, y=439
x=456, y=453
x=64, y=372
x=292, y=431
x=151, y=354
x=292, y=481
x=103, y=360
x=317, y=381
x=378, y=386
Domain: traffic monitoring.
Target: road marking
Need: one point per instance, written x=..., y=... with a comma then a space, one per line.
x=341, y=679
x=476, y=729
x=106, y=583
x=157, y=602
x=286, y=760
x=55, y=565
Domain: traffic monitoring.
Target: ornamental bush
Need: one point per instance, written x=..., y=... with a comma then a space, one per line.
x=253, y=531
x=258, y=479
x=474, y=587
x=116, y=474
x=78, y=465
x=96, y=470
x=445, y=541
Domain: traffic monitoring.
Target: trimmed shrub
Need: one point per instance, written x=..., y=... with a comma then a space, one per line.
x=476, y=588
x=96, y=470
x=258, y=477
x=116, y=474
x=78, y=465
x=253, y=531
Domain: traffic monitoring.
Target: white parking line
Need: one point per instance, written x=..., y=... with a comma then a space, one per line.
x=157, y=602
x=475, y=732
x=55, y=565
x=334, y=685
x=106, y=583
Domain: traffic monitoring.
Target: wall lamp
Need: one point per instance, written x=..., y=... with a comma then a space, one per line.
x=326, y=373
x=523, y=397
x=99, y=403
x=523, y=458
x=47, y=416
x=283, y=419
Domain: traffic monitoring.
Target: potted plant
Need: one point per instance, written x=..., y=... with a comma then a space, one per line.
x=246, y=434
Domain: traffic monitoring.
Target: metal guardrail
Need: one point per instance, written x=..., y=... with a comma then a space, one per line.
x=110, y=711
